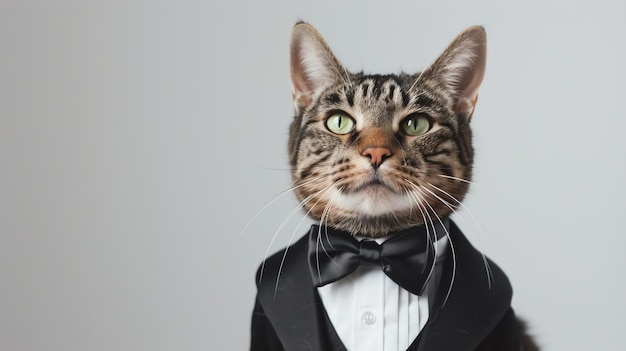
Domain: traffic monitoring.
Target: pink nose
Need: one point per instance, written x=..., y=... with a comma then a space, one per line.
x=377, y=155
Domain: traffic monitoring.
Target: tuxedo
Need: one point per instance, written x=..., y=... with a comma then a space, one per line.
x=475, y=316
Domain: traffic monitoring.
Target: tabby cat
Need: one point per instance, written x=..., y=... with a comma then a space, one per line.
x=372, y=155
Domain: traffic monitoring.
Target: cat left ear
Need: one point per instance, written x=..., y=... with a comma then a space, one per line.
x=313, y=65
x=461, y=68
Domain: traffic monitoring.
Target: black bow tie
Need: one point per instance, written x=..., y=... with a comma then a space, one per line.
x=407, y=257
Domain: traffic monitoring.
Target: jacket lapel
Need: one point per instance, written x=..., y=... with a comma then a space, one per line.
x=461, y=322
x=475, y=304
x=287, y=294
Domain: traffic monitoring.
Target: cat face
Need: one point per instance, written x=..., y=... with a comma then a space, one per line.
x=371, y=154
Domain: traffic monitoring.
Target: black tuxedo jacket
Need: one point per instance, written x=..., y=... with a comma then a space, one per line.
x=288, y=314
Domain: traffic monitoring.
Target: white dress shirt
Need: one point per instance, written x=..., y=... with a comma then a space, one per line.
x=370, y=312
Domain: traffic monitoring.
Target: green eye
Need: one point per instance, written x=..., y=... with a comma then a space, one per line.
x=416, y=125
x=340, y=123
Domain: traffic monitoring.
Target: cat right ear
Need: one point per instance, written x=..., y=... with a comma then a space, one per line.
x=313, y=65
x=461, y=68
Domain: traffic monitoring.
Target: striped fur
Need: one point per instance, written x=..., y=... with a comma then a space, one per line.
x=419, y=178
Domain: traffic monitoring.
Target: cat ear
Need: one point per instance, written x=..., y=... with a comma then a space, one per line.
x=313, y=65
x=461, y=68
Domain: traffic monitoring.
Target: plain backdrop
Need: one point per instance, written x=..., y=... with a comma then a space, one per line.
x=138, y=138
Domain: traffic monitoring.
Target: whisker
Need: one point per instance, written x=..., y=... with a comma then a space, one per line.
x=446, y=203
x=429, y=236
x=319, y=241
x=456, y=178
x=452, y=250
x=420, y=201
x=344, y=78
x=274, y=199
x=272, y=168
x=280, y=227
x=481, y=234
x=433, y=244
x=319, y=233
x=282, y=262
x=407, y=191
x=480, y=230
x=422, y=72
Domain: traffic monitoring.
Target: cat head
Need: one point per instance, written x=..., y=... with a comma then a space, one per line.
x=372, y=154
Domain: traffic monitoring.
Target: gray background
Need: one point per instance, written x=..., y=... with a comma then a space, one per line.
x=137, y=139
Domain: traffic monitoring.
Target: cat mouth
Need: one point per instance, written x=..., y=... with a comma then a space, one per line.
x=372, y=184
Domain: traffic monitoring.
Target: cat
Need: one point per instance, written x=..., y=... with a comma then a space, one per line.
x=375, y=154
